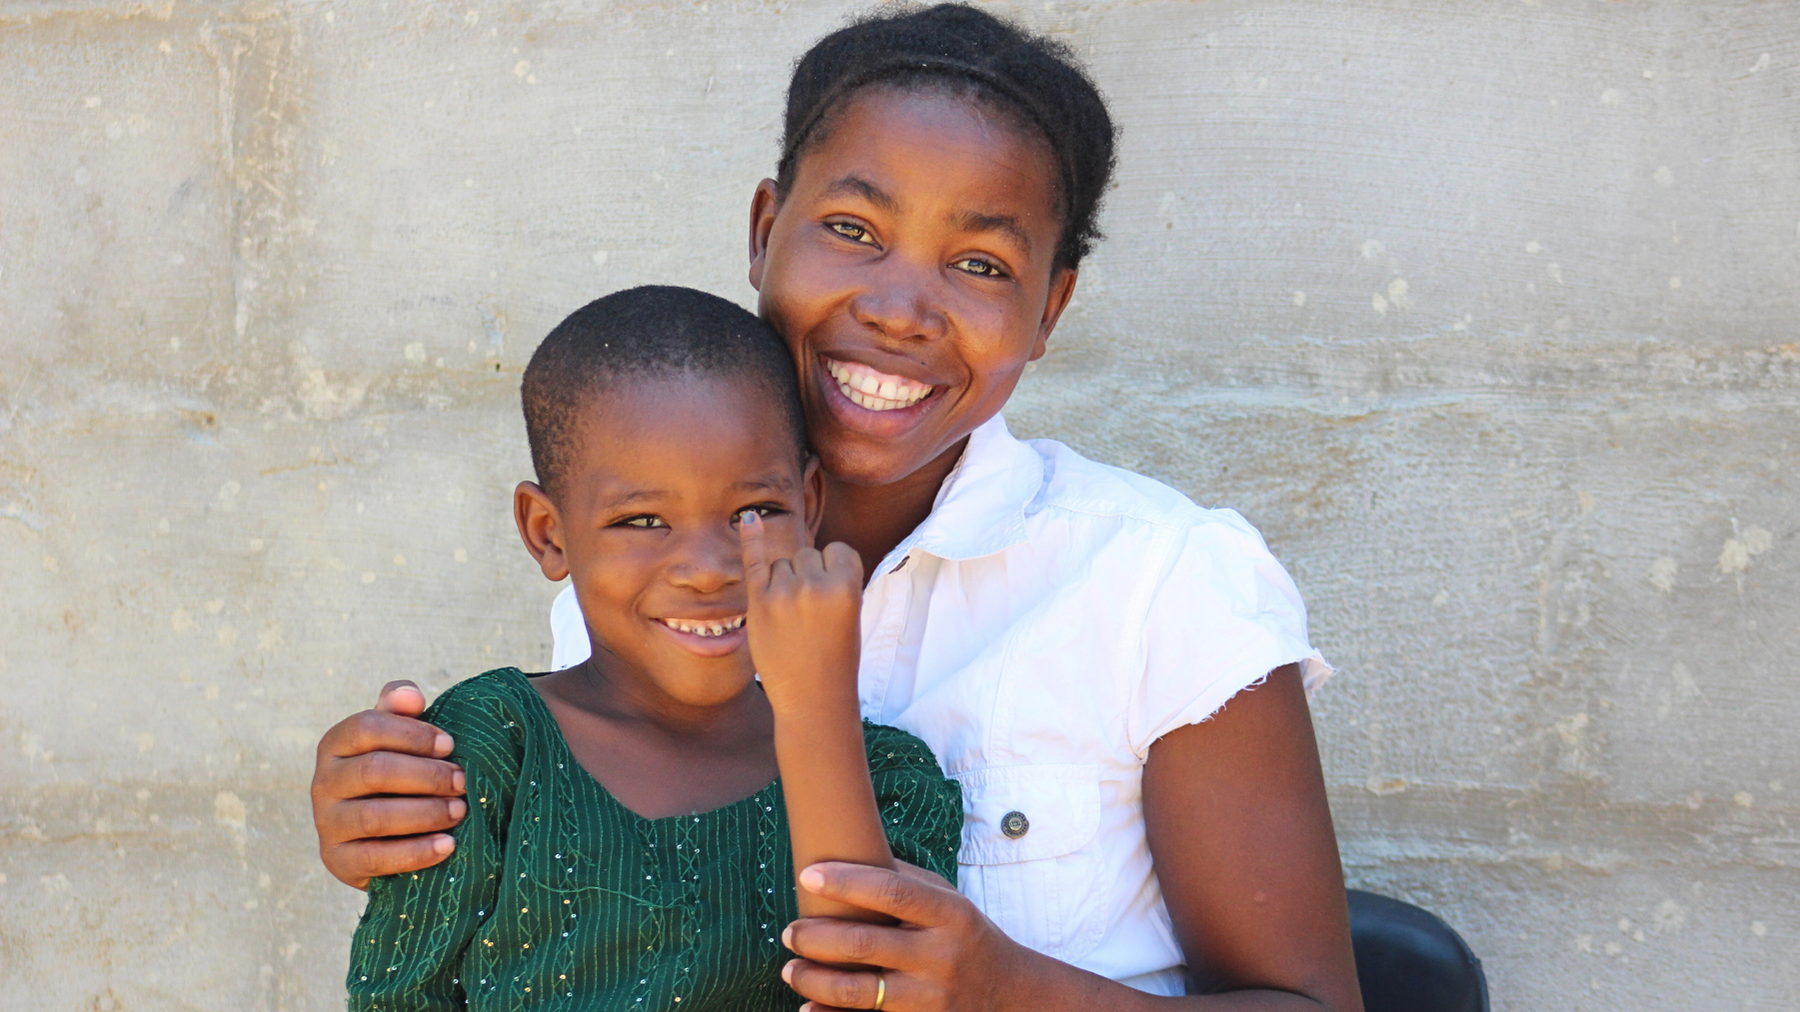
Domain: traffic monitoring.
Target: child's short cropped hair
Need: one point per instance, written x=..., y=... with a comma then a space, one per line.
x=653, y=331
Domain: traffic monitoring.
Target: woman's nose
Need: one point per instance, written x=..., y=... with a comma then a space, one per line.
x=904, y=302
x=707, y=561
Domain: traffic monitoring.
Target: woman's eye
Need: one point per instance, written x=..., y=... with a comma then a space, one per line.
x=761, y=511
x=979, y=267
x=644, y=520
x=850, y=231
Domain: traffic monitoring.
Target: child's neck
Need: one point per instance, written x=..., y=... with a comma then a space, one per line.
x=654, y=754
x=874, y=518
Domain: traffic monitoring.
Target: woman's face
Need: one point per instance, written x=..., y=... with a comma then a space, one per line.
x=910, y=268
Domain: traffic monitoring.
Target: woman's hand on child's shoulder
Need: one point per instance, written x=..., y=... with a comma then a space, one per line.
x=804, y=618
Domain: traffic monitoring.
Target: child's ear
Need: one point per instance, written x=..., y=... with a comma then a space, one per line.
x=540, y=527
x=812, y=481
x=1062, y=289
x=763, y=205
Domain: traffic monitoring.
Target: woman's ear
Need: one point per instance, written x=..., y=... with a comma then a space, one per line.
x=540, y=527
x=763, y=205
x=1062, y=289
x=812, y=481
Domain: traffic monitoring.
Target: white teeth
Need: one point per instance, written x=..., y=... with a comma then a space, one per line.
x=875, y=391
x=708, y=629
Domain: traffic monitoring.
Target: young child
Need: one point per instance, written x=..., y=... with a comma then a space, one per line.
x=629, y=845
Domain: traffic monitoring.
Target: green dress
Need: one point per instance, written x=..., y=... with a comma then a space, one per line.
x=558, y=896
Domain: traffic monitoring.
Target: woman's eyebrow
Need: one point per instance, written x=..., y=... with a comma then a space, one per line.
x=1005, y=224
x=856, y=186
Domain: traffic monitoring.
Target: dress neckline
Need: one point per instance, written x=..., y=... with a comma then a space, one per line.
x=566, y=757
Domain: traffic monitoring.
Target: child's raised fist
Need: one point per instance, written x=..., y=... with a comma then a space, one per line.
x=804, y=619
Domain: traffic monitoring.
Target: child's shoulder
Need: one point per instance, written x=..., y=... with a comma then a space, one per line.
x=891, y=749
x=494, y=704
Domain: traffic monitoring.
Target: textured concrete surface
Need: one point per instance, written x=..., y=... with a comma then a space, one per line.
x=1482, y=310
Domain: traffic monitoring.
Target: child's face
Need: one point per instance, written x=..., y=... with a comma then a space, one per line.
x=647, y=526
x=915, y=247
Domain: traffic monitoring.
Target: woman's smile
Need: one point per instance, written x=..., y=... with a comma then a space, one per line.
x=873, y=389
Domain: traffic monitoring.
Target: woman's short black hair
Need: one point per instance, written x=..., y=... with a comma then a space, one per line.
x=1032, y=78
x=650, y=332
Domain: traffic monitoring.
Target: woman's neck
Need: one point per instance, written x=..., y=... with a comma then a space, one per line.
x=874, y=518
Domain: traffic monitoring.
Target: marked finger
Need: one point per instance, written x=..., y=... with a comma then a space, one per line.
x=357, y=862
x=910, y=900
x=374, y=731
x=756, y=552
x=402, y=697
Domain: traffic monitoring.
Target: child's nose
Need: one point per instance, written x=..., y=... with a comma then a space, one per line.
x=708, y=561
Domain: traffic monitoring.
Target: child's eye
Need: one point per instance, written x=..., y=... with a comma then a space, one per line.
x=851, y=231
x=979, y=267
x=761, y=510
x=643, y=520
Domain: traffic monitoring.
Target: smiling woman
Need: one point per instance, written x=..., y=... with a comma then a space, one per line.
x=915, y=245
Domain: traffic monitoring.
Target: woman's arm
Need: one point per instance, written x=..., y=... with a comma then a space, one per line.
x=1240, y=832
x=384, y=797
x=1241, y=836
x=408, y=951
x=805, y=636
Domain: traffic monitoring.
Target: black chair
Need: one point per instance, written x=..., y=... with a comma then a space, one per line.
x=1409, y=960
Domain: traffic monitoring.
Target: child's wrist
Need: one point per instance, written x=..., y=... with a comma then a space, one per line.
x=812, y=703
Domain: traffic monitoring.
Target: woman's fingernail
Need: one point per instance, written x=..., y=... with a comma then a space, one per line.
x=787, y=972
x=458, y=808
x=442, y=845
x=813, y=879
x=787, y=937
x=443, y=744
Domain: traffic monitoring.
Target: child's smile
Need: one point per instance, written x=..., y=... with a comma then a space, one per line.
x=710, y=636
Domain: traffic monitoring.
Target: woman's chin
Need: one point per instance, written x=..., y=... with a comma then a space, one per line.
x=872, y=463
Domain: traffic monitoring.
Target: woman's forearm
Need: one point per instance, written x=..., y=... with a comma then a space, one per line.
x=1040, y=983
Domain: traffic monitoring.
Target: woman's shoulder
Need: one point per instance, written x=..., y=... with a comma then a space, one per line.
x=1081, y=484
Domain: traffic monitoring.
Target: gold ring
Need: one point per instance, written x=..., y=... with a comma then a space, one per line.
x=880, y=990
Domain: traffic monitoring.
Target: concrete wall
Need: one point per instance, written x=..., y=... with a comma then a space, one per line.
x=1482, y=310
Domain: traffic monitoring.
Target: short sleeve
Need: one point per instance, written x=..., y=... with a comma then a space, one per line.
x=1224, y=614
x=409, y=946
x=920, y=808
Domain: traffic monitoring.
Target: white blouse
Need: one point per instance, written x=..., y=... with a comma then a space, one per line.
x=1048, y=621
